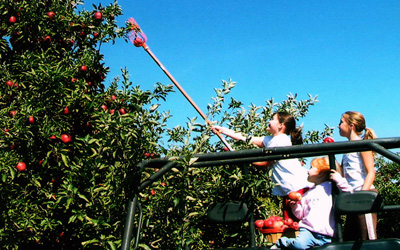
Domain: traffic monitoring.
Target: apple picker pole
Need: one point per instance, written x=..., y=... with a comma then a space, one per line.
x=138, y=38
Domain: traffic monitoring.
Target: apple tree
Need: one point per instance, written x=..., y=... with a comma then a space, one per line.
x=67, y=143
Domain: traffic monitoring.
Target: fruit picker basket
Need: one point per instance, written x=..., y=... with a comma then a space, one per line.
x=273, y=234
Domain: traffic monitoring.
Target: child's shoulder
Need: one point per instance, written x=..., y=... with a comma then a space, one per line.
x=281, y=140
x=326, y=185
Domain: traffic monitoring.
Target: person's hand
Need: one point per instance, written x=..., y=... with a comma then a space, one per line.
x=217, y=129
x=335, y=176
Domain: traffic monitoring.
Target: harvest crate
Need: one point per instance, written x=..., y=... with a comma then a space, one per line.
x=274, y=234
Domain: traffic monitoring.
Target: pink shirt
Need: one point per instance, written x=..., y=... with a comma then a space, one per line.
x=315, y=208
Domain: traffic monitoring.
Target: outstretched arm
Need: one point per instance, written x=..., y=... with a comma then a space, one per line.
x=257, y=141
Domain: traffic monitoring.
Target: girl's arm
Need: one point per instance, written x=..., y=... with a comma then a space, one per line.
x=339, y=168
x=341, y=182
x=257, y=141
x=297, y=209
x=368, y=159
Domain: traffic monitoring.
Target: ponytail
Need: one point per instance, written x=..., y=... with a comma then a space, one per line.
x=296, y=136
x=369, y=134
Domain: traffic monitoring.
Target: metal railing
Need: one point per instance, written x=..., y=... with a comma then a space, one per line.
x=165, y=165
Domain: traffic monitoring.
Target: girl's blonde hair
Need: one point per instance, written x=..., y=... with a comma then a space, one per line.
x=358, y=120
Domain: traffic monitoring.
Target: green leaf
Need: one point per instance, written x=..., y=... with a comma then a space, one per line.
x=64, y=159
x=83, y=197
x=145, y=247
x=112, y=245
x=176, y=201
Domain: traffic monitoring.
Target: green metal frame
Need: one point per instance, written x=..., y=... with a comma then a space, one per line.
x=165, y=165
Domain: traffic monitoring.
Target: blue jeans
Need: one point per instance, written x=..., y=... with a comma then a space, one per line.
x=304, y=240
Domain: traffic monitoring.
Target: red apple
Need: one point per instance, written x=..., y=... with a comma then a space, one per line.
x=153, y=192
x=83, y=68
x=263, y=164
x=278, y=224
x=259, y=223
x=31, y=119
x=112, y=111
x=294, y=196
x=51, y=15
x=21, y=166
x=98, y=15
x=275, y=218
x=12, y=113
x=269, y=223
x=295, y=225
x=66, y=110
x=47, y=39
x=65, y=138
x=96, y=34
x=53, y=137
x=328, y=140
x=153, y=155
x=138, y=42
x=288, y=221
x=12, y=19
x=122, y=111
x=10, y=83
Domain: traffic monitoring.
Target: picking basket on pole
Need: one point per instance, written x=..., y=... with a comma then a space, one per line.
x=139, y=38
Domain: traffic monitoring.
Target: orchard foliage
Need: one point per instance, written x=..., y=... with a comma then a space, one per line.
x=175, y=207
x=70, y=146
x=67, y=143
x=388, y=183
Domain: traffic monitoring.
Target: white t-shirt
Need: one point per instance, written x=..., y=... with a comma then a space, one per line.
x=354, y=170
x=288, y=175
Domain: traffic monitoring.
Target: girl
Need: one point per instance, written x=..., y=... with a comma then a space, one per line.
x=358, y=169
x=288, y=175
x=317, y=222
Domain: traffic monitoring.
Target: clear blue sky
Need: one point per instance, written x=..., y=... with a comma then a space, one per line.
x=346, y=52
